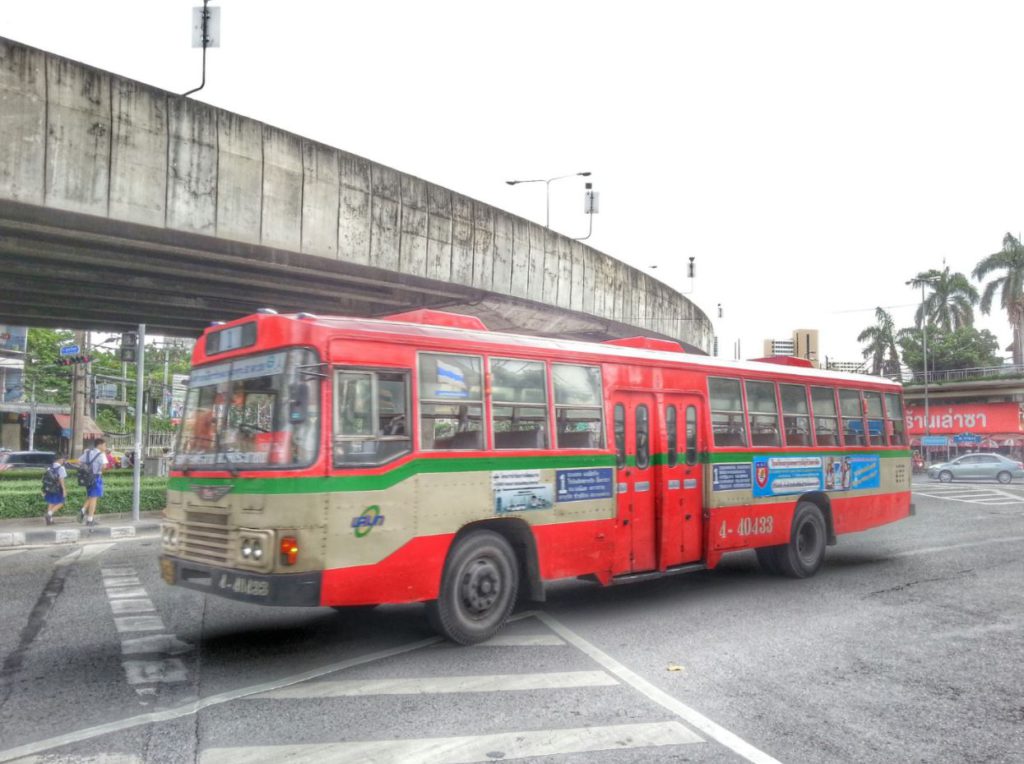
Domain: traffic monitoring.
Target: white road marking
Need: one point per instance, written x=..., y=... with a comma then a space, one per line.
x=6, y=554
x=124, y=607
x=154, y=644
x=131, y=623
x=195, y=706
x=126, y=592
x=149, y=672
x=114, y=582
x=456, y=750
x=92, y=758
x=965, y=545
x=444, y=684
x=12, y=539
x=83, y=553
x=692, y=717
x=527, y=640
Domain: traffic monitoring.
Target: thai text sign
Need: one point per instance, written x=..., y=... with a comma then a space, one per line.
x=955, y=418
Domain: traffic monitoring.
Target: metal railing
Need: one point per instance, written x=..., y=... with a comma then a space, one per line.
x=957, y=375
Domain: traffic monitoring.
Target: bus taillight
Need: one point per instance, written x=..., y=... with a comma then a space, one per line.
x=289, y=550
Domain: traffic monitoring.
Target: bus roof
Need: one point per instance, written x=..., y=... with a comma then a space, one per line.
x=403, y=330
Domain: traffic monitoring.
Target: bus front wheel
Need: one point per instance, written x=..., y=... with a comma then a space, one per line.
x=805, y=552
x=478, y=589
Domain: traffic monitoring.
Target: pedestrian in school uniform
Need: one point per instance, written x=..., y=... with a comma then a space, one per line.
x=55, y=490
x=94, y=459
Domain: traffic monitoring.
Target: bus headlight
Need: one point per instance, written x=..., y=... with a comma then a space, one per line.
x=246, y=548
x=257, y=549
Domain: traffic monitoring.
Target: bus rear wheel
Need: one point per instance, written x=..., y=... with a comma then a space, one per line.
x=478, y=589
x=805, y=552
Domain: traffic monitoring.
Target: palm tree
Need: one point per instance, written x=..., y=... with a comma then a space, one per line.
x=1010, y=285
x=881, y=339
x=950, y=305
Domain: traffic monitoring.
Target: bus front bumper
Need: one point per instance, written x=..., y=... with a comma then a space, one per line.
x=292, y=589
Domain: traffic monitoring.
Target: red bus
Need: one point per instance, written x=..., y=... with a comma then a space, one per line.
x=422, y=458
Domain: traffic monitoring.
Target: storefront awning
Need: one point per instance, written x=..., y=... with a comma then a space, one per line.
x=90, y=428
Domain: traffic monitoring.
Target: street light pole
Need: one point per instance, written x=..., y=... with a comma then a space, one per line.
x=547, y=190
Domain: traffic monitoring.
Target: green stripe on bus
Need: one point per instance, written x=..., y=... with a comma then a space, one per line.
x=281, y=485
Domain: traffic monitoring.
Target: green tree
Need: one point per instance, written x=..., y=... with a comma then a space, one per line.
x=41, y=369
x=881, y=348
x=1009, y=262
x=951, y=302
x=963, y=348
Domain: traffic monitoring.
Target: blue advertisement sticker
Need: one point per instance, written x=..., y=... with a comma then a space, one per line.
x=583, y=485
x=782, y=475
x=730, y=477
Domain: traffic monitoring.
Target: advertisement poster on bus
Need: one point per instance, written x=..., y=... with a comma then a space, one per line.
x=520, y=491
x=783, y=475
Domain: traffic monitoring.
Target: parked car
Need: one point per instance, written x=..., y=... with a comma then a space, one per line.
x=978, y=467
x=12, y=460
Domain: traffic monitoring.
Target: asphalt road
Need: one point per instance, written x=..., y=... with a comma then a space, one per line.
x=907, y=647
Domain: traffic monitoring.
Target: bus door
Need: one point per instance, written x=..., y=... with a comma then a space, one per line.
x=635, y=417
x=679, y=490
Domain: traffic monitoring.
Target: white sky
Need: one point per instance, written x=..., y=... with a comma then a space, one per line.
x=812, y=156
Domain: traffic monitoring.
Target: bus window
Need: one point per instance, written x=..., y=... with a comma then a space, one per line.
x=853, y=420
x=896, y=425
x=371, y=417
x=519, y=404
x=643, y=438
x=671, y=428
x=578, y=405
x=795, y=415
x=691, y=435
x=876, y=418
x=451, y=402
x=764, y=414
x=620, y=435
x=823, y=403
x=727, y=420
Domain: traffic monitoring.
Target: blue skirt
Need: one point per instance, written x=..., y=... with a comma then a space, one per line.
x=54, y=498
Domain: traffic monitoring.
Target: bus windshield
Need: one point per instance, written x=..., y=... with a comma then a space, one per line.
x=252, y=412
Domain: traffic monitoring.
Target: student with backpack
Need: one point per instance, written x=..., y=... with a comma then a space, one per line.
x=54, y=490
x=90, y=476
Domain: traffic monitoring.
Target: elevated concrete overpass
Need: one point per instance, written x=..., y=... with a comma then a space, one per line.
x=122, y=204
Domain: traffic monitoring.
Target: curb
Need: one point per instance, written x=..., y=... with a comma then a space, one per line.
x=42, y=536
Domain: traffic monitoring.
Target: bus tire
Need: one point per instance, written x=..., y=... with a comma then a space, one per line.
x=478, y=589
x=805, y=552
x=767, y=558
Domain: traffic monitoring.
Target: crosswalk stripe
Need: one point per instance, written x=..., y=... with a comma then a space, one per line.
x=457, y=750
x=444, y=684
x=524, y=640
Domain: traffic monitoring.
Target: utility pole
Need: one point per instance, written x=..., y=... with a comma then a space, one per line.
x=140, y=386
x=78, y=393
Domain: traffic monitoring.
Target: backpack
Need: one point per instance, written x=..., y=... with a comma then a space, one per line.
x=51, y=483
x=86, y=477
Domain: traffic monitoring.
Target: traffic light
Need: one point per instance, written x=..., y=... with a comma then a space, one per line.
x=129, y=347
x=71, y=360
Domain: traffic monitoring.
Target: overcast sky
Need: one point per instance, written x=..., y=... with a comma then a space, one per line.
x=812, y=156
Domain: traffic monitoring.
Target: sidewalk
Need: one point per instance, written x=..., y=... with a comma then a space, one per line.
x=33, y=531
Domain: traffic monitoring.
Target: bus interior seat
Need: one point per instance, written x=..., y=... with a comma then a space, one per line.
x=576, y=439
x=467, y=439
x=520, y=439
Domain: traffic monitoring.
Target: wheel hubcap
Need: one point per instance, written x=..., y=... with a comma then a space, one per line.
x=481, y=586
x=807, y=541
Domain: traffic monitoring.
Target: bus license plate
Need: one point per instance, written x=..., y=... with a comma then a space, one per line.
x=242, y=585
x=167, y=571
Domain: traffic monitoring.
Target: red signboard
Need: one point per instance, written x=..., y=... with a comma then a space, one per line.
x=956, y=418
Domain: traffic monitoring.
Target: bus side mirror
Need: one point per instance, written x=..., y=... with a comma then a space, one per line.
x=298, y=402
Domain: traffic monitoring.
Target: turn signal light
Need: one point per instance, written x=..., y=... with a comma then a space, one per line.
x=289, y=550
